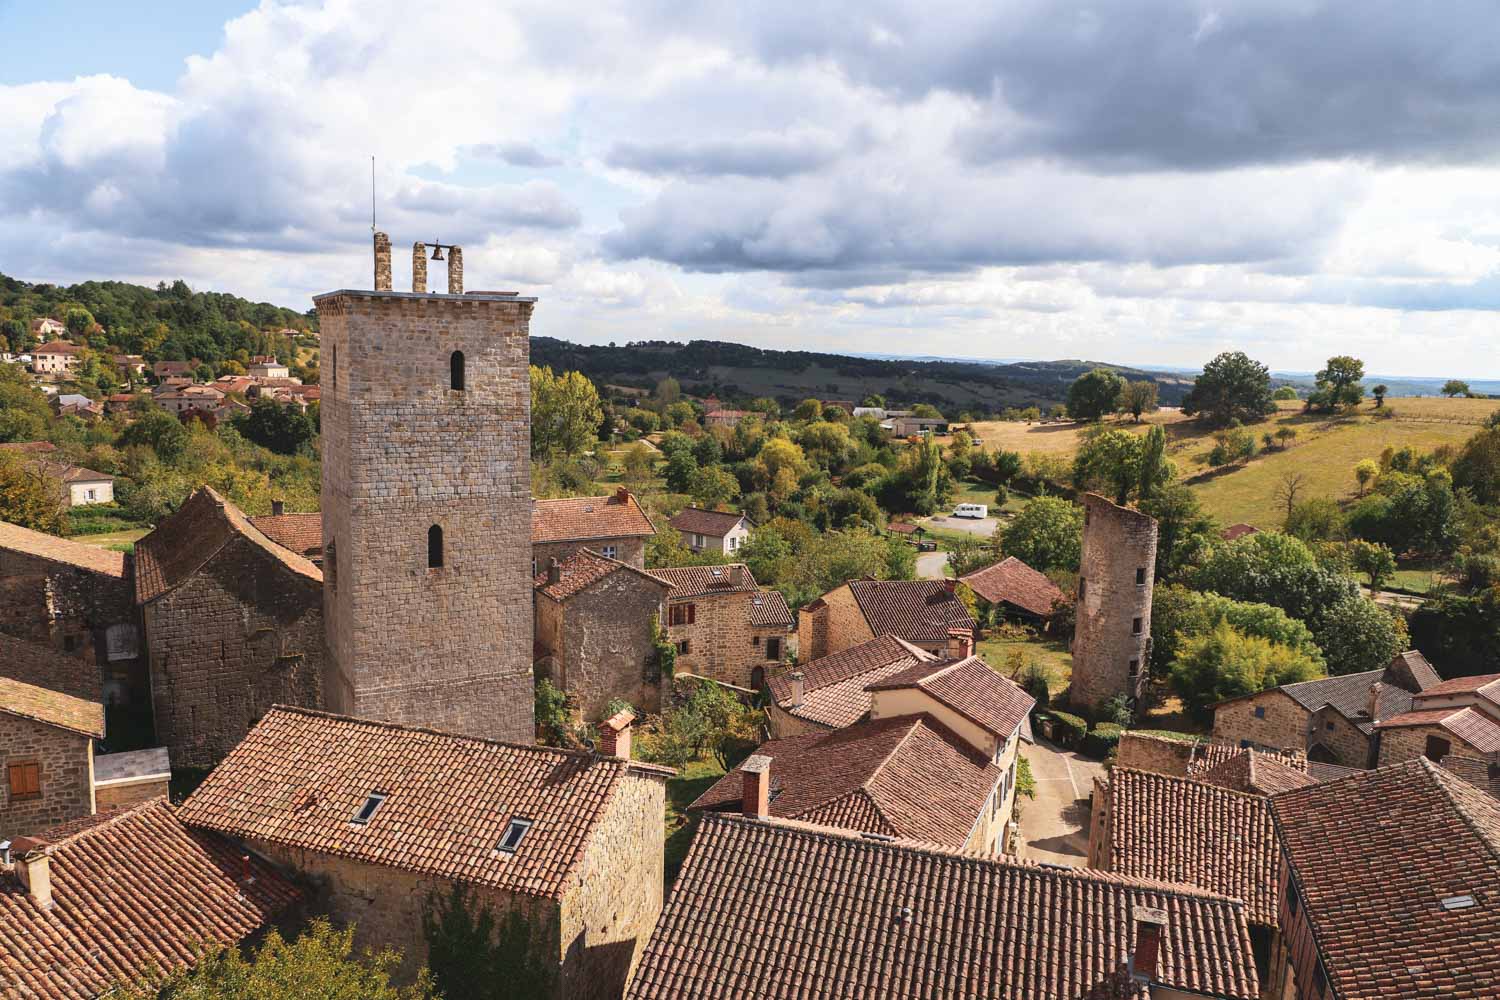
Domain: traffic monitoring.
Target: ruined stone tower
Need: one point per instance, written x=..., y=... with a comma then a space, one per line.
x=427, y=505
x=1112, y=639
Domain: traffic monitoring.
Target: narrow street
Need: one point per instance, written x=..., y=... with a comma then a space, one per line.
x=1055, y=824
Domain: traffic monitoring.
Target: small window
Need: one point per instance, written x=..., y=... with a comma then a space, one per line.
x=331, y=565
x=1292, y=901
x=1135, y=668
x=609, y=552
x=773, y=648
x=372, y=805
x=334, y=368
x=1135, y=627
x=682, y=648
x=25, y=780
x=682, y=614
x=755, y=641
x=1328, y=725
x=456, y=370
x=435, y=547
x=514, y=834
x=1260, y=711
x=1140, y=576
x=1083, y=587
x=1245, y=744
x=1437, y=749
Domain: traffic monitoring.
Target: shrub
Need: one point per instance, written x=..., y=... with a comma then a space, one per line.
x=1117, y=710
x=1034, y=682
x=1025, y=783
x=1103, y=740
x=1226, y=663
x=1069, y=729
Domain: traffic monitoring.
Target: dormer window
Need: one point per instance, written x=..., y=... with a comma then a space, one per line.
x=371, y=806
x=514, y=834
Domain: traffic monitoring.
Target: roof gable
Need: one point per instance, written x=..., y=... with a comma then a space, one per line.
x=583, y=569
x=914, y=610
x=834, y=686
x=581, y=519
x=970, y=688
x=697, y=521
x=696, y=581
x=62, y=550
x=1011, y=581
x=39, y=683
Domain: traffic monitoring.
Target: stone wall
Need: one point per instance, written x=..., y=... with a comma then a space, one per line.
x=1101, y=850
x=1285, y=724
x=1156, y=754
x=783, y=723
x=832, y=627
x=1115, y=580
x=1345, y=742
x=66, y=775
x=1410, y=742
x=126, y=794
x=601, y=641
x=241, y=634
x=631, y=551
x=722, y=644
x=447, y=647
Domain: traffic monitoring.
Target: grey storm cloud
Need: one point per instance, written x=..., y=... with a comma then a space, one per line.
x=758, y=155
x=514, y=154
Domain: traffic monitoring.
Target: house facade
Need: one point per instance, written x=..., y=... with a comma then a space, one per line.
x=723, y=625
x=1459, y=716
x=718, y=531
x=55, y=358
x=615, y=526
x=922, y=612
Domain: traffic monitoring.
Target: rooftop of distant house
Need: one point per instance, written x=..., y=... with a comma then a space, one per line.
x=915, y=610
x=1011, y=581
x=859, y=917
x=1398, y=870
x=581, y=570
x=969, y=687
x=1240, y=530
x=58, y=347
x=62, y=550
x=378, y=792
x=713, y=523
x=1481, y=772
x=300, y=531
x=696, y=581
x=41, y=684
x=582, y=519
x=834, y=687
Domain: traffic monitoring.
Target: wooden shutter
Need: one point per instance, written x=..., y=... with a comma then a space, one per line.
x=25, y=780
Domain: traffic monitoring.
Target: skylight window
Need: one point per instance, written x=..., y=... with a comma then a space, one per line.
x=372, y=805
x=514, y=834
x=1458, y=902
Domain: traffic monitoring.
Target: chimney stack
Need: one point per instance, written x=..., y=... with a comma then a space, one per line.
x=757, y=799
x=799, y=688
x=614, y=734
x=455, y=270
x=34, y=869
x=1373, y=708
x=1150, y=925
x=419, y=268
x=950, y=585
x=554, y=570
x=960, y=643
x=622, y=495
x=382, y=262
x=278, y=507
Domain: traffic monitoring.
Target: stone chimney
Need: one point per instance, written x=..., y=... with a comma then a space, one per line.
x=34, y=869
x=1150, y=925
x=950, y=585
x=622, y=495
x=419, y=268
x=960, y=643
x=614, y=734
x=456, y=271
x=1373, y=707
x=382, y=262
x=799, y=688
x=278, y=507
x=757, y=799
x=554, y=570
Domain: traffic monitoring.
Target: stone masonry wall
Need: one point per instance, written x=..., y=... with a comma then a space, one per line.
x=1410, y=742
x=67, y=608
x=242, y=634
x=842, y=625
x=722, y=642
x=447, y=647
x=1284, y=727
x=1155, y=754
x=66, y=775
x=783, y=723
x=605, y=644
x=1348, y=744
x=112, y=797
x=608, y=914
x=1117, y=543
x=631, y=551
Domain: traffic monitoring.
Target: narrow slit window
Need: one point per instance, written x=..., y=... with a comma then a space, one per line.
x=1140, y=576
x=334, y=367
x=1135, y=627
x=371, y=806
x=456, y=370
x=435, y=547
x=514, y=834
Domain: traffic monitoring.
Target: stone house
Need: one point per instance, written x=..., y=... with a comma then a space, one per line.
x=724, y=626
x=1117, y=573
x=174, y=369
x=78, y=599
x=830, y=693
x=1387, y=884
x=86, y=907
x=615, y=526
x=724, y=418
x=1012, y=589
x=57, y=357
x=1331, y=719
x=131, y=777
x=717, y=531
x=922, y=612
x=382, y=819
x=234, y=625
x=184, y=399
x=45, y=326
x=50, y=716
x=595, y=631
x=267, y=367
x=1459, y=716
x=763, y=908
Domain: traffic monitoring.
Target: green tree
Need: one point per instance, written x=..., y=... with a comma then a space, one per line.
x=1156, y=471
x=1477, y=467
x=1455, y=387
x=1109, y=462
x=681, y=469
x=565, y=413
x=1366, y=471
x=639, y=463
x=1374, y=560
x=1226, y=664
x=1179, y=613
x=668, y=391
x=1232, y=387
x=1284, y=392
x=1138, y=398
x=808, y=409
x=967, y=554
x=1379, y=392
x=1232, y=446
x=1094, y=393
x=1285, y=436
x=24, y=413
x=1317, y=520
x=160, y=431
x=1339, y=383
x=1046, y=534
x=79, y=322
x=713, y=486
x=1185, y=532
x=27, y=496
x=475, y=954
x=283, y=429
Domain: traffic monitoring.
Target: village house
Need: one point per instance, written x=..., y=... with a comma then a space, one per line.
x=130, y=777
x=300, y=531
x=762, y=908
x=45, y=326
x=724, y=418
x=1388, y=885
x=182, y=399
x=80, y=486
x=918, y=611
x=234, y=625
x=908, y=426
x=1012, y=589
x=1331, y=719
x=384, y=817
x=167, y=369
x=712, y=530
x=234, y=383
x=615, y=526
x=129, y=366
x=1481, y=772
x=1238, y=531
x=595, y=632
x=1459, y=716
x=119, y=402
x=830, y=693
x=266, y=366
x=724, y=626
x=935, y=761
x=57, y=357
x=109, y=901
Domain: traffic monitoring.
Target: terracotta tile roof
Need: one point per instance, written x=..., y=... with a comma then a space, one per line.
x=1320, y=771
x=302, y=532
x=1462, y=685
x=188, y=538
x=1473, y=727
x=697, y=521
x=57, y=347
x=583, y=569
x=1013, y=582
x=834, y=686
x=300, y=776
x=1482, y=773
x=776, y=911
x=581, y=519
x=904, y=528
x=1256, y=772
x=64, y=711
x=134, y=891
x=37, y=682
x=40, y=447
x=907, y=776
x=1414, y=662
x=1240, y=530
x=915, y=610
x=769, y=609
x=61, y=550
x=1208, y=756
x=971, y=688
x=695, y=581
x=1180, y=830
x=78, y=474
x=1374, y=856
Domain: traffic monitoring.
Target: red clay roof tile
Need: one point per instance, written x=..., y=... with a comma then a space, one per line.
x=1011, y=581
x=581, y=519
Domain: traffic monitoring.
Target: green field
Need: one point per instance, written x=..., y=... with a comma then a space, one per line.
x=120, y=541
x=1005, y=655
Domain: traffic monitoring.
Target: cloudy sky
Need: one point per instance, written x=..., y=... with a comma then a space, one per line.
x=1146, y=182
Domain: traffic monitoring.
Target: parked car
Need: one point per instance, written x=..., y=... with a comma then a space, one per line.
x=925, y=546
x=978, y=511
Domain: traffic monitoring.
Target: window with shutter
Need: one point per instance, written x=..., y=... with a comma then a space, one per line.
x=25, y=780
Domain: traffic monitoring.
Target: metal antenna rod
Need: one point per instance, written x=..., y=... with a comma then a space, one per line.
x=372, y=194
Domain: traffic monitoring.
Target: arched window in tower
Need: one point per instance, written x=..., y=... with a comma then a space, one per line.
x=435, y=547
x=456, y=370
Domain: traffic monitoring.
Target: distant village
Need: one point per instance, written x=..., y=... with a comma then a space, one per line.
x=249, y=721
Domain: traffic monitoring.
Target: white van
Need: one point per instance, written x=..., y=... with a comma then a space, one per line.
x=974, y=510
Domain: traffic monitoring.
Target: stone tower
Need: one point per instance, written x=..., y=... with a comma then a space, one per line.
x=1112, y=639
x=426, y=414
